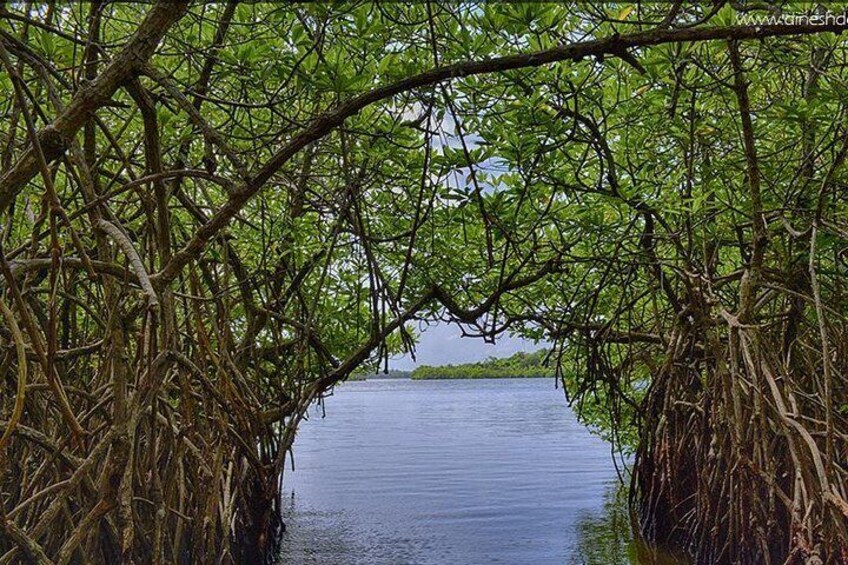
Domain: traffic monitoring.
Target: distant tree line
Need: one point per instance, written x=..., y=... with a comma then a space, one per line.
x=519, y=366
x=377, y=375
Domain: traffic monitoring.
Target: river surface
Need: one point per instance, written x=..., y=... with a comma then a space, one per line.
x=461, y=472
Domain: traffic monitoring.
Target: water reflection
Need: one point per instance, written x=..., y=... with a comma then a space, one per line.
x=605, y=537
x=461, y=472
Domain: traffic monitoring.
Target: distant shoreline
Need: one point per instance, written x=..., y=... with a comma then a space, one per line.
x=482, y=377
x=378, y=377
x=437, y=377
x=519, y=366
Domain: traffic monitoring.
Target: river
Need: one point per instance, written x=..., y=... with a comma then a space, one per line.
x=451, y=472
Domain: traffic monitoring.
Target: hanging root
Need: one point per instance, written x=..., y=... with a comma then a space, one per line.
x=735, y=464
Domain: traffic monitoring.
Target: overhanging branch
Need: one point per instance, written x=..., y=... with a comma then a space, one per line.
x=332, y=119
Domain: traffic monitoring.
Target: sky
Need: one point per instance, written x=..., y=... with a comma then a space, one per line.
x=443, y=344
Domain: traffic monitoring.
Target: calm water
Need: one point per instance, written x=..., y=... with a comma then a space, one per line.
x=451, y=472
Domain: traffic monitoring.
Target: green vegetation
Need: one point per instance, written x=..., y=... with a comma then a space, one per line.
x=518, y=366
x=214, y=213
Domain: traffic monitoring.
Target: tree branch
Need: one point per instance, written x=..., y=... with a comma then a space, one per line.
x=332, y=119
x=56, y=138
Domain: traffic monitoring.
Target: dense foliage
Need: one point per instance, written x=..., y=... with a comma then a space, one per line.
x=214, y=213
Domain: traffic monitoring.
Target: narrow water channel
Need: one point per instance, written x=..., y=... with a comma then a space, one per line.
x=459, y=472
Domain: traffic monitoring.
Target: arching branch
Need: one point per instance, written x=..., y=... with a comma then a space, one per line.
x=332, y=119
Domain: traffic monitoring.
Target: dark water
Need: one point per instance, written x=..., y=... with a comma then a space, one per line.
x=451, y=472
